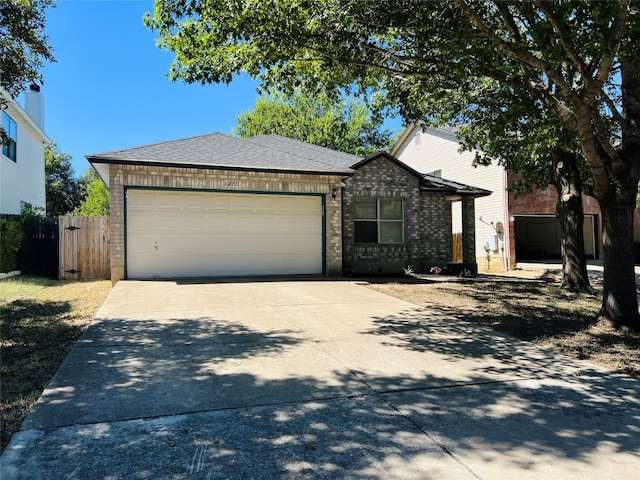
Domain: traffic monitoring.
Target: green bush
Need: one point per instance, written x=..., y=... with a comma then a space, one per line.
x=30, y=218
x=10, y=241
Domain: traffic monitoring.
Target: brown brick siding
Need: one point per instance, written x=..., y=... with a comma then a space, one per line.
x=543, y=202
x=427, y=227
x=122, y=176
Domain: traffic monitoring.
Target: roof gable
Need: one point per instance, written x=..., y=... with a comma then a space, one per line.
x=428, y=182
x=389, y=158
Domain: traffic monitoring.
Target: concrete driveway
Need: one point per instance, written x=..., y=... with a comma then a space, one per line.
x=316, y=379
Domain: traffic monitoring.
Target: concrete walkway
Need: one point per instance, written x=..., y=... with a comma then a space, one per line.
x=316, y=379
x=595, y=268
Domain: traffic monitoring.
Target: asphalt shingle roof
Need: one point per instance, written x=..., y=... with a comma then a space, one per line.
x=430, y=182
x=270, y=152
x=263, y=152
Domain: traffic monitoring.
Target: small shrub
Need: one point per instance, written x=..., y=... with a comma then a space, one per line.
x=31, y=218
x=10, y=241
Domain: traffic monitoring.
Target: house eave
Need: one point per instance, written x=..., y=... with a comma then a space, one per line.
x=16, y=109
x=202, y=166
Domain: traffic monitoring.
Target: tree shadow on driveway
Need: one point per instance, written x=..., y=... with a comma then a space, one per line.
x=237, y=402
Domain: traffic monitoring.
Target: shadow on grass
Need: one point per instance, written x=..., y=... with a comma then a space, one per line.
x=35, y=339
x=539, y=313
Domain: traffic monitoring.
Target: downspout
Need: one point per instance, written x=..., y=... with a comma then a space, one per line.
x=506, y=252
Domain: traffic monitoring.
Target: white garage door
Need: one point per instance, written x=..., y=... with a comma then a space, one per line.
x=191, y=234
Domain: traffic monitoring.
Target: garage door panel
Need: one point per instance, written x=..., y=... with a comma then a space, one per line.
x=308, y=225
x=265, y=204
x=193, y=201
x=241, y=202
x=310, y=206
x=143, y=199
x=218, y=202
x=178, y=234
x=167, y=202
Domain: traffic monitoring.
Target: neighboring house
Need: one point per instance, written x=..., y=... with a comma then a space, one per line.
x=508, y=229
x=216, y=205
x=22, y=178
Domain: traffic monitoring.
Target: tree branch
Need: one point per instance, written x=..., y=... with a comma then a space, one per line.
x=618, y=31
x=565, y=43
x=514, y=52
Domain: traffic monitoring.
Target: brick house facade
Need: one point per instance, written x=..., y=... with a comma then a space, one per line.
x=178, y=178
x=276, y=167
x=426, y=221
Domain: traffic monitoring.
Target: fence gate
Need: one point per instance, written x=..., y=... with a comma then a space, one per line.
x=40, y=248
x=84, y=248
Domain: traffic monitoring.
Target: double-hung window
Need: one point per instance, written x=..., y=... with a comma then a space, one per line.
x=378, y=220
x=11, y=131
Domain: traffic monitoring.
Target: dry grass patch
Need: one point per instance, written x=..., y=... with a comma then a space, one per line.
x=40, y=320
x=539, y=312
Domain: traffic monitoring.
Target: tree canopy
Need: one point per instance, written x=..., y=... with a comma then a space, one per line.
x=63, y=192
x=97, y=200
x=343, y=124
x=23, y=44
x=576, y=60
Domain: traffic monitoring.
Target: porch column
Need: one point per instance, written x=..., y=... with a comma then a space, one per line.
x=469, y=234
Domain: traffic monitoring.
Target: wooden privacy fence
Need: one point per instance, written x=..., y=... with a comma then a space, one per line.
x=83, y=248
x=457, y=248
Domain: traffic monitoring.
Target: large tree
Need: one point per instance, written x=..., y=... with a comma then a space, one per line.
x=578, y=60
x=62, y=189
x=23, y=44
x=343, y=124
x=526, y=141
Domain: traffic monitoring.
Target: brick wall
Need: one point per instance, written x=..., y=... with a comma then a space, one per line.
x=122, y=176
x=543, y=202
x=427, y=222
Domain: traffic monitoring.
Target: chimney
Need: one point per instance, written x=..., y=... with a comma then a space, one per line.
x=34, y=105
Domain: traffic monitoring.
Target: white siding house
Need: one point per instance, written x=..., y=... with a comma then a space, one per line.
x=22, y=178
x=436, y=151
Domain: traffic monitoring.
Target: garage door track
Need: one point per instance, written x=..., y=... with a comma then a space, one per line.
x=316, y=379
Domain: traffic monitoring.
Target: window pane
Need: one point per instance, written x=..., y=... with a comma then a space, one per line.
x=365, y=208
x=391, y=208
x=390, y=232
x=366, y=232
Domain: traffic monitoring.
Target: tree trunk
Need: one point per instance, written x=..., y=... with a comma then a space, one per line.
x=619, y=301
x=571, y=216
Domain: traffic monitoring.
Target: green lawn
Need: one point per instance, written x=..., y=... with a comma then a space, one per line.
x=40, y=320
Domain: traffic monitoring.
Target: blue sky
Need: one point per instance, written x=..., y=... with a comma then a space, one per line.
x=109, y=90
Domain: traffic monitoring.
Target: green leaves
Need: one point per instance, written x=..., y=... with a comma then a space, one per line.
x=62, y=190
x=23, y=44
x=442, y=61
x=97, y=200
x=344, y=124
